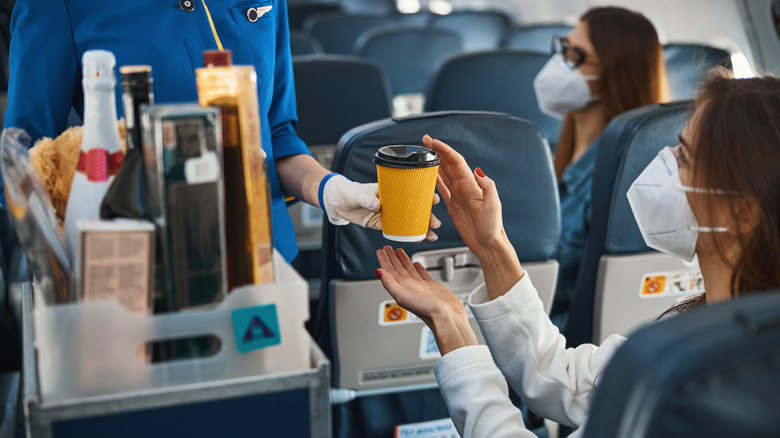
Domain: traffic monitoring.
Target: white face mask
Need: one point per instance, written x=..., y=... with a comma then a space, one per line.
x=560, y=89
x=661, y=209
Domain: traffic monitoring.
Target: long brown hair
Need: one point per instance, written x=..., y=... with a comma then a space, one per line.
x=736, y=150
x=633, y=73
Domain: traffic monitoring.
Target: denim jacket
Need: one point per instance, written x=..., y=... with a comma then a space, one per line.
x=574, y=192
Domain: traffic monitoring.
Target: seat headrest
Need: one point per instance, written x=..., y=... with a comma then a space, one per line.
x=500, y=81
x=335, y=93
x=535, y=38
x=408, y=55
x=706, y=372
x=635, y=138
x=687, y=66
x=511, y=151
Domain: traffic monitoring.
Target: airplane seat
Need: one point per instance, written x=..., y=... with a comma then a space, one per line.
x=297, y=13
x=10, y=386
x=417, y=19
x=338, y=32
x=687, y=66
x=302, y=44
x=621, y=282
x=499, y=80
x=534, y=38
x=333, y=94
x=708, y=372
x=479, y=30
x=408, y=56
x=376, y=346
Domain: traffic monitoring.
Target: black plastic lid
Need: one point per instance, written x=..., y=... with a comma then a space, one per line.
x=406, y=157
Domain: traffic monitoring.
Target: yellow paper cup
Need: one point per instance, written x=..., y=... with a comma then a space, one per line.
x=407, y=180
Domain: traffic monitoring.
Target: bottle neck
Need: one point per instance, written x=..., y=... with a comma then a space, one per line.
x=132, y=99
x=100, y=124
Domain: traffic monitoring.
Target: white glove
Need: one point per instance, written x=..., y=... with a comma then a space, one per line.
x=346, y=201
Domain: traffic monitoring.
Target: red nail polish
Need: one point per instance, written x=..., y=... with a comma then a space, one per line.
x=480, y=172
x=379, y=274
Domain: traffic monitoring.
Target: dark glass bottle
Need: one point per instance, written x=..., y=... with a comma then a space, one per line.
x=124, y=197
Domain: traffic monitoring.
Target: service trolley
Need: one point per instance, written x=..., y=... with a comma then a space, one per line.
x=85, y=374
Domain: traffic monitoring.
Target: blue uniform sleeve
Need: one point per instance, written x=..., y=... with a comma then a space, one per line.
x=283, y=115
x=43, y=70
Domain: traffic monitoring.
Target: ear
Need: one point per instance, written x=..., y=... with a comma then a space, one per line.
x=747, y=214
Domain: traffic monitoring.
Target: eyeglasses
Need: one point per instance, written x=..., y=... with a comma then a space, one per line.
x=572, y=56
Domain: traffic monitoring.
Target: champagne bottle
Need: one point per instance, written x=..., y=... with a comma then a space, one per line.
x=101, y=150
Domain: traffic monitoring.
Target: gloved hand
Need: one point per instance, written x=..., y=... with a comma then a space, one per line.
x=346, y=201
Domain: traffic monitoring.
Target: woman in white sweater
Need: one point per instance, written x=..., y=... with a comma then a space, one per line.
x=728, y=213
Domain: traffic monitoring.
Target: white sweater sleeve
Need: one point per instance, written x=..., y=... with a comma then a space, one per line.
x=554, y=382
x=476, y=395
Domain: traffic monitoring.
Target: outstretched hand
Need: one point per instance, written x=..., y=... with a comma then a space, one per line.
x=471, y=198
x=415, y=290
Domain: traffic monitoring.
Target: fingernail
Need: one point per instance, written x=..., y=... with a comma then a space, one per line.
x=480, y=172
x=379, y=274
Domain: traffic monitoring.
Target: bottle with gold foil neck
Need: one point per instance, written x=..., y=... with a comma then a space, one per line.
x=233, y=88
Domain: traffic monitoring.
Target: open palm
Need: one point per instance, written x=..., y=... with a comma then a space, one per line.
x=413, y=288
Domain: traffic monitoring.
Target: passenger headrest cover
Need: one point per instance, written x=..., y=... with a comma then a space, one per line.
x=509, y=150
x=645, y=134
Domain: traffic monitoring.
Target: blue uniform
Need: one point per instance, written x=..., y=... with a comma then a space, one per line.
x=49, y=38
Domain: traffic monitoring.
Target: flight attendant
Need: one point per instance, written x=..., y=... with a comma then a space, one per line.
x=49, y=38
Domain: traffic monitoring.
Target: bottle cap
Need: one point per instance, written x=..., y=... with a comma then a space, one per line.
x=98, y=69
x=217, y=58
x=136, y=76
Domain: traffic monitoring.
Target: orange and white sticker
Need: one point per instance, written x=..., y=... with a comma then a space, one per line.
x=672, y=283
x=391, y=314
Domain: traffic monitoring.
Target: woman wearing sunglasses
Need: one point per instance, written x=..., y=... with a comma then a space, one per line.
x=610, y=63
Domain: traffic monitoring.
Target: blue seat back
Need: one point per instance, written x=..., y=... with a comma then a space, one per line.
x=336, y=93
x=627, y=145
x=480, y=30
x=408, y=55
x=304, y=44
x=535, y=38
x=338, y=32
x=709, y=372
x=511, y=151
x=500, y=81
x=687, y=66
x=297, y=13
